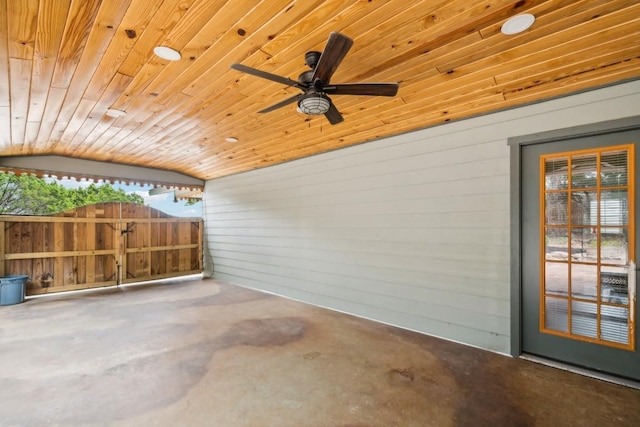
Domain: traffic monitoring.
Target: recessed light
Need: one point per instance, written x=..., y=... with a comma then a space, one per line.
x=231, y=139
x=518, y=24
x=167, y=53
x=112, y=112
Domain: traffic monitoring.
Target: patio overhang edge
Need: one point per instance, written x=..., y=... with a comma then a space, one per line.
x=81, y=169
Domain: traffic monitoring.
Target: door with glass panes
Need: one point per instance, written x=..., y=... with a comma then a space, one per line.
x=578, y=252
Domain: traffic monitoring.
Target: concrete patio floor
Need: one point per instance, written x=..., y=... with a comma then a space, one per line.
x=204, y=353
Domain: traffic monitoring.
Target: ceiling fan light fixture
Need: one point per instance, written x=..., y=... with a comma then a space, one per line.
x=231, y=139
x=167, y=53
x=518, y=24
x=314, y=104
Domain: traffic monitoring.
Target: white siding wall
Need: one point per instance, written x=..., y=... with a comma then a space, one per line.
x=411, y=230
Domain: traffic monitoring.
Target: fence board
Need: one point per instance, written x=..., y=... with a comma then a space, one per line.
x=88, y=247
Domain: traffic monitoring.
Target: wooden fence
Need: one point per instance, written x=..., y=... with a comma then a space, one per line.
x=99, y=245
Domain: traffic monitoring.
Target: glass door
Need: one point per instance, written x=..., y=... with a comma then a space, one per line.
x=588, y=243
x=578, y=251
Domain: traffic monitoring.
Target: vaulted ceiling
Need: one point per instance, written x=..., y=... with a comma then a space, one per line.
x=79, y=78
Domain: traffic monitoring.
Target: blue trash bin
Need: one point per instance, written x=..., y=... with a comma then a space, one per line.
x=12, y=289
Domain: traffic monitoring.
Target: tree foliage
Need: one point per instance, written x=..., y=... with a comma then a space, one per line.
x=30, y=195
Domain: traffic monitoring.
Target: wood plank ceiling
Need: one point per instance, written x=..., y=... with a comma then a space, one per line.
x=67, y=67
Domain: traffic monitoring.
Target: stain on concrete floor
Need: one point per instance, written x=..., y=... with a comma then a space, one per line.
x=206, y=353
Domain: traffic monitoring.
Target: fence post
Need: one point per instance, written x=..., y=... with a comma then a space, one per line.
x=2, y=243
x=119, y=244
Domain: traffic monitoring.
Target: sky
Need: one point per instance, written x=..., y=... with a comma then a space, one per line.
x=163, y=202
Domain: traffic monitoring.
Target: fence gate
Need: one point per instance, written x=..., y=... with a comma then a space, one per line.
x=99, y=245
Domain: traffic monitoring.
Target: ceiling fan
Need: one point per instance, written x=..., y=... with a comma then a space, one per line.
x=315, y=83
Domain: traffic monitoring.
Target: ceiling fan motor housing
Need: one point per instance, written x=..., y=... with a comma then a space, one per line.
x=306, y=77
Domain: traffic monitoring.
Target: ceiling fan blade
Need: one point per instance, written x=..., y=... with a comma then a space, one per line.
x=334, y=52
x=281, y=104
x=265, y=75
x=333, y=115
x=368, y=89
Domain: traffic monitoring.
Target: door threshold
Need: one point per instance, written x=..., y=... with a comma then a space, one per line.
x=582, y=371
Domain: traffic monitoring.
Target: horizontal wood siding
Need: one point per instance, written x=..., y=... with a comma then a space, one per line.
x=411, y=230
